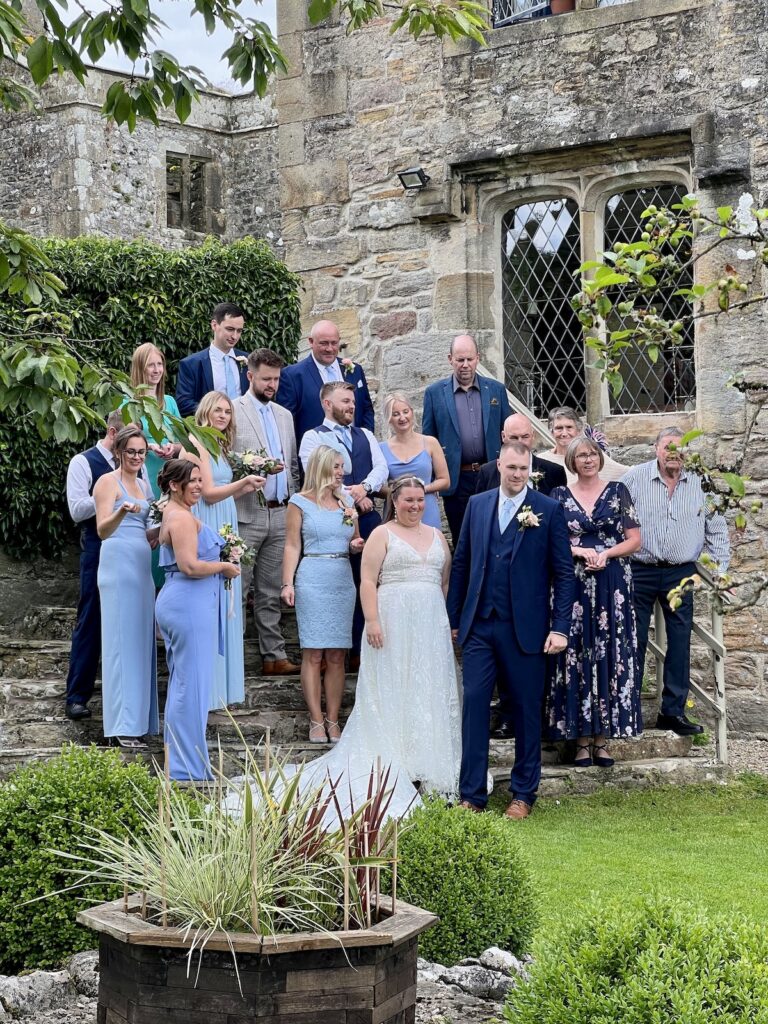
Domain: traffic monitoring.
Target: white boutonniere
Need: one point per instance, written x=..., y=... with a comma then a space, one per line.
x=527, y=517
x=535, y=478
x=241, y=360
x=348, y=367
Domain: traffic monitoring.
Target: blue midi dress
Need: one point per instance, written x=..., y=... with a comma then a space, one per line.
x=128, y=651
x=228, y=685
x=188, y=615
x=419, y=466
x=325, y=590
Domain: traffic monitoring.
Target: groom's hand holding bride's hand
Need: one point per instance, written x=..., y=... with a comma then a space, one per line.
x=555, y=643
x=373, y=634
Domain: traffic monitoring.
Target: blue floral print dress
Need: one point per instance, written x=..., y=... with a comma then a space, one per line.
x=594, y=687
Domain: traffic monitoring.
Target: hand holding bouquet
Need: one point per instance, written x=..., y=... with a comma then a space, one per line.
x=254, y=463
x=234, y=550
x=156, y=509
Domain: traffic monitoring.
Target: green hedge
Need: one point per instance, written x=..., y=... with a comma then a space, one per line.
x=121, y=294
x=45, y=808
x=650, y=961
x=467, y=868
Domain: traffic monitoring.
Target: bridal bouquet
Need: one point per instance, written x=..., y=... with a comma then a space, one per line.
x=156, y=509
x=234, y=550
x=348, y=514
x=250, y=463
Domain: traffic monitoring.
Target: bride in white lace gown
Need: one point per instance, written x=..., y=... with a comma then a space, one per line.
x=407, y=713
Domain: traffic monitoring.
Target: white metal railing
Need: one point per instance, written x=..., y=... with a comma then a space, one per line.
x=713, y=640
x=505, y=12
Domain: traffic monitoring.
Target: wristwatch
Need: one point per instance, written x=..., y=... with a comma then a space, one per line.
x=367, y=487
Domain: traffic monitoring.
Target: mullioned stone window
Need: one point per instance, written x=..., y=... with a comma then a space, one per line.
x=192, y=184
x=542, y=247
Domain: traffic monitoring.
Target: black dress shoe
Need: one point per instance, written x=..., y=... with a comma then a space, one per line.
x=77, y=711
x=503, y=731
x=678, y=724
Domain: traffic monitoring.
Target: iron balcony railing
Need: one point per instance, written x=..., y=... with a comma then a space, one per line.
x=505, y=12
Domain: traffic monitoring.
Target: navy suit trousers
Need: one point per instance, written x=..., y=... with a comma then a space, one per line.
x=455, y=504
x=492, y=650
x=86, y=638
x=652, y=582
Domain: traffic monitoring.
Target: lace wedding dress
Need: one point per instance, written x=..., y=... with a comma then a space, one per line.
x=407, y=713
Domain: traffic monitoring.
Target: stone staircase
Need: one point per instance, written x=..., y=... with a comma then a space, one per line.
x=33, y=667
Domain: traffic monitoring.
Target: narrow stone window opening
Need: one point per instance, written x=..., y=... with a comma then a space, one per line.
x=187, y=193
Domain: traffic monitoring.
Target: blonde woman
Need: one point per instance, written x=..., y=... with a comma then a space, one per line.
x=409, y=453
x=322, y=519
x=216, y=507
x=148, y=373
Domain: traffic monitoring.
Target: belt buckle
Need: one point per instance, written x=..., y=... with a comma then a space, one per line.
x=475, y=466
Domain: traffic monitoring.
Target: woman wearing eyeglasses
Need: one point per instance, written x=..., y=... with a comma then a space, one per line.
x=127, y=594
x=594, y=692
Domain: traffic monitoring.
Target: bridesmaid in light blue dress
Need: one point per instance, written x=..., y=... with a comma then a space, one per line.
x=215, y=508
x=409, y=453
x=321, y=524
x=127, y=594
x=188, y=614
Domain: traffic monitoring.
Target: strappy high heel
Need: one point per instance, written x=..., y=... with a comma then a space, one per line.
x=602, y=760
x=313, y=732
x=582, y=762
x=333, y=725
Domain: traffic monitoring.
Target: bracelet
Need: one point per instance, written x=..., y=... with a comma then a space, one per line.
x=286, y=585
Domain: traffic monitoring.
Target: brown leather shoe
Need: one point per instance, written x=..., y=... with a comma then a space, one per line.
x=281, y=667
x=465, y=805
x=517, y=809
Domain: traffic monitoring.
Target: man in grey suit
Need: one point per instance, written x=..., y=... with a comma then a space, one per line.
x=260, y=423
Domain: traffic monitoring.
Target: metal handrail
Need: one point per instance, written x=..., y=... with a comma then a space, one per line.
x=713, y=640
x=507, y=12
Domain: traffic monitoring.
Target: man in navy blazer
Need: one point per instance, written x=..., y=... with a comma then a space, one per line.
x=465, y=413
x=300, y=384
x=221, y=367
x=513, y=550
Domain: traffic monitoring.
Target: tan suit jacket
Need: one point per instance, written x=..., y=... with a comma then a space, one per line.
x=250, y=435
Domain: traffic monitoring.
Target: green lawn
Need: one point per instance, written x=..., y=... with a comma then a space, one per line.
x=704, y=844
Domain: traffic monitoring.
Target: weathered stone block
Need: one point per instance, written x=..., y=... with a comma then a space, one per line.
x=392, y=325
x=313, y=184
x=346, y=319
x=408, y=284
x=464, y=300
x=306, y=97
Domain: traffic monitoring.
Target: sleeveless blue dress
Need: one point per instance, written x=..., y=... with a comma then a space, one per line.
x=228, y=684
x=128, y=651
x=325, y=590
x=421, y=466
x=153, y=464
x=187, y=612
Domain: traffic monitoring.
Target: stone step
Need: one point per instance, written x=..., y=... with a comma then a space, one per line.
x=564, y=780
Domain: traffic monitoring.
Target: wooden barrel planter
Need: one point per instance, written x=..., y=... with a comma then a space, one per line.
x=146, y=976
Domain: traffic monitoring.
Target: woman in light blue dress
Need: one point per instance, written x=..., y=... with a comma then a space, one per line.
x=127, y=594
x=409, y=453
x=188, y=614
x=322, y=520
x=215, y=508
x=149, y=374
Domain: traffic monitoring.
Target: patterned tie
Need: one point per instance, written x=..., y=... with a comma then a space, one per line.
x=505, y=515
x=232, y=382
x=280, y=490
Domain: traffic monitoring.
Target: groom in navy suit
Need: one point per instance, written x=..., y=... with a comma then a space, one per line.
x=512, y=550
x=220, y=367
x=300, y=384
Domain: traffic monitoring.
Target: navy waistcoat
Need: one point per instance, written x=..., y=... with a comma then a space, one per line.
x=360, y=456
x=99, y=467
x=495, y=596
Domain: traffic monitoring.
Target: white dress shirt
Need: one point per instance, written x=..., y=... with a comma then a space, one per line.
x=219, y=371
x=379, y=469
x=79, y=480
x=518, y=500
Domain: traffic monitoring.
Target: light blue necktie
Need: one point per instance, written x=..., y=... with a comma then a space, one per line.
x=505, y=515
x=346, y=439
x=276, y=491
x=231, y=381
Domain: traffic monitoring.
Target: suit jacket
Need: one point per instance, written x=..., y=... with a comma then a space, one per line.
x=299, y=393
x=440, y=420
x=541, y=559
x=554, y=476
x=250, y=435
x=196, y=379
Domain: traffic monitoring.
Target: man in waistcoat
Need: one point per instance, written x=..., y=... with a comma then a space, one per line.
x=84, y=470
x=513, y=548
x=365, y=473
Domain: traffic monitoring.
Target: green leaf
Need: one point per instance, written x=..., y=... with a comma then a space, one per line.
x=735, y=483
x=691, y=435
x=725, y=213
x=40, y=60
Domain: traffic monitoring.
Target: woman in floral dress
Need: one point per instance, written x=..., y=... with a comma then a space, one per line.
x=594, y=691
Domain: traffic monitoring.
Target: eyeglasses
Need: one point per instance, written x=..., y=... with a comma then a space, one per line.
x=136, y=453
x=586, y=458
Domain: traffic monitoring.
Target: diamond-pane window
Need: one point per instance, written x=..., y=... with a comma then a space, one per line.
x=669, y=384
x=543, y=343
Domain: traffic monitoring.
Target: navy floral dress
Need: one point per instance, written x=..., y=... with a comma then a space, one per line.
x=594, y=687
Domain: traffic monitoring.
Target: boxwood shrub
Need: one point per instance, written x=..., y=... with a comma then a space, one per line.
x=44, y=808
x=651, y=961
x=467, y=868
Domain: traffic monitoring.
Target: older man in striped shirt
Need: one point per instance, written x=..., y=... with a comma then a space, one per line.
x=675, y=528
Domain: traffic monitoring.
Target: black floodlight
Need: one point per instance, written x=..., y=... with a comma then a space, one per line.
x=413, y=177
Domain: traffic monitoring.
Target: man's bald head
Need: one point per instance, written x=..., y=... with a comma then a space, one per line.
x=464, y=358
x=518, y=428
x=324, y=341
x=463, y=340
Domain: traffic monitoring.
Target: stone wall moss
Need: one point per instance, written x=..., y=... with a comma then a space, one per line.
x=121, y=294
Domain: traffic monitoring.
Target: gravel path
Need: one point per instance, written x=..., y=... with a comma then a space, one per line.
x=749, y=755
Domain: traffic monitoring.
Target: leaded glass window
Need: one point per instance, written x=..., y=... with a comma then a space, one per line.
x=543, y=343
x=669, y=384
